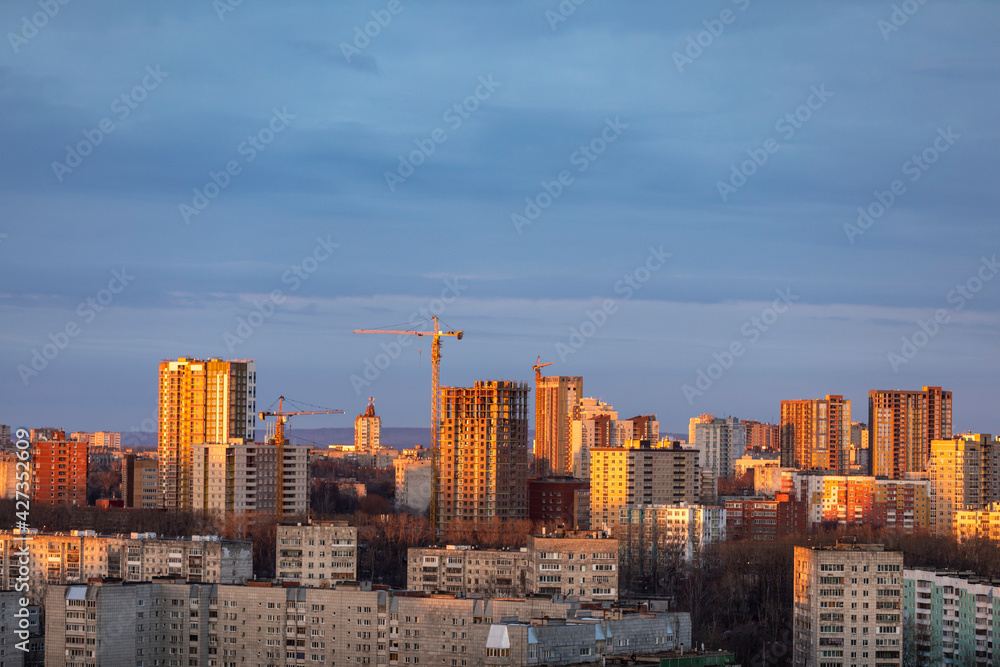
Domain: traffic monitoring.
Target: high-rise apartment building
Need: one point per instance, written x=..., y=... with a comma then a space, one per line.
x=694, y=421
x=368, y=432
x=719, y=443
x=762, y=437
x=596, y=424
x=59, y=471
x=902, y=425
x=848, y=601
x=140, y=483
x=962, y=473
x=200, y=401
x=238, y=477
x=638, y=474
x=483, y=460
x=816, y=434
x=556, y=397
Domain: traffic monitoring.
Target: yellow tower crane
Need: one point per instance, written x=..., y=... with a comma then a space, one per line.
x=279, y=438
x=435, y=404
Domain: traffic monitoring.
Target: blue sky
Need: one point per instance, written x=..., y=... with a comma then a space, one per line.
x=833, y=99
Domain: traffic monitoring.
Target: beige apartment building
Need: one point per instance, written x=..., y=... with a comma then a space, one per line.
x=317, y=553
x=963, y=477
x=467, y=570
x=172, y=622
x=639, y=474
x=583, y=564
x=66, y=558
x=243, y=477
x=200, y=401
x=555, y=399
x=848, y=606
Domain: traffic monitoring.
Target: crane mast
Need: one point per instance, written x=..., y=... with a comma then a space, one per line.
x=279, y=437
x=435, y=403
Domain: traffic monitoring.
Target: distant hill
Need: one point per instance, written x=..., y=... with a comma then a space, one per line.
x=392, y=436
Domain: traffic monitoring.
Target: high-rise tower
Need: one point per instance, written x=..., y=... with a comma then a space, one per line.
x=201, y=401
x=555, y=398
x=483, y=459
x=902, y=425
x=816, y=434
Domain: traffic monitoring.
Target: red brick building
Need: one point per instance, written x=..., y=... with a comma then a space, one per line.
x=764, y=518
x=59, y=471
x=559, y=501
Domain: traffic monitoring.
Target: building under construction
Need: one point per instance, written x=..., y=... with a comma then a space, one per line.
x=483, y=459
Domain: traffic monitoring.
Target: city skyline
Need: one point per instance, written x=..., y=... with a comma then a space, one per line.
x=634, y=196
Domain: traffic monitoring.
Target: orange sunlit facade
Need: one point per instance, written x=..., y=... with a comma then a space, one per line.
x=59, y=471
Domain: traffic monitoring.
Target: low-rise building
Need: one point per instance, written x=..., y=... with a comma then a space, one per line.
x=977, y=524
x=115, y=624
x=74, y=557
x=684, y=529
x=317, y=553
x=764, y=519
x=582, y=564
